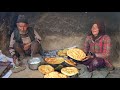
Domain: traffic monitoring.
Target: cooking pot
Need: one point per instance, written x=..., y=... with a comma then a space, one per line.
x=34, y=63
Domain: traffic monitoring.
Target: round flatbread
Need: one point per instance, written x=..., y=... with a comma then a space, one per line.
x=69, y=71
x=56, y=60
x=62, y=53
x=70, y=62
x=45, y=69
x=55, y=74
x=76, y=54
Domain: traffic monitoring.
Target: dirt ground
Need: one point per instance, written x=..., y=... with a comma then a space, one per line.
x=27, y=73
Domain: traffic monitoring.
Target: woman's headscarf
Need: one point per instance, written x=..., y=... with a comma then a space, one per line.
x=101, y=27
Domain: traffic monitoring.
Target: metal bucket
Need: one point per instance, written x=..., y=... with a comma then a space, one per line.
x=34, y=63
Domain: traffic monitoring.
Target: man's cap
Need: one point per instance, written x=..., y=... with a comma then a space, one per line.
x=22, y=18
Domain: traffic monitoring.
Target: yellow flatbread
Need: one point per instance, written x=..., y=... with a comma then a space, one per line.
x=55, y=74
x=70, y=62
x=69, y=71
x=54, y=60
x=62, y=53
x=76, y=54
x=45, y=69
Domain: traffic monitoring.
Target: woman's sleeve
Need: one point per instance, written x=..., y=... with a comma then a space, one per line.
x=106, y=47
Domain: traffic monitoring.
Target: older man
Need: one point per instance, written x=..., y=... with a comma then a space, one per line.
x=24, y=41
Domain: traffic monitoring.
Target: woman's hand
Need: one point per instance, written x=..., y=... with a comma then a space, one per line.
x=88, y=57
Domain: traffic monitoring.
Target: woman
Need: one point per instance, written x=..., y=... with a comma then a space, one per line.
x=97, y=47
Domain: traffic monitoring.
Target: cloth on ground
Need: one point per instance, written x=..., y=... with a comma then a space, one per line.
x=4, y=58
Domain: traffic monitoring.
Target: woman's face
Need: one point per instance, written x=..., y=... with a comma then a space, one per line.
x=95, y=30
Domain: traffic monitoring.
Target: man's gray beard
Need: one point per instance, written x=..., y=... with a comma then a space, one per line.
x=23, y=32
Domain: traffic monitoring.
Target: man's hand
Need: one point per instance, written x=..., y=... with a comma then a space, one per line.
x=27, y=46
x=15, y=60
x=15, y=57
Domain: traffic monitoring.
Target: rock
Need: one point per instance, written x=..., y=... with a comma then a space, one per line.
x=82, y=68
x=100, y=73
x=113, y=76
x=83, y=72
x=86, y=74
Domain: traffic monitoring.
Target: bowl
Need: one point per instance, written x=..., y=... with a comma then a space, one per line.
x=34, y=63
